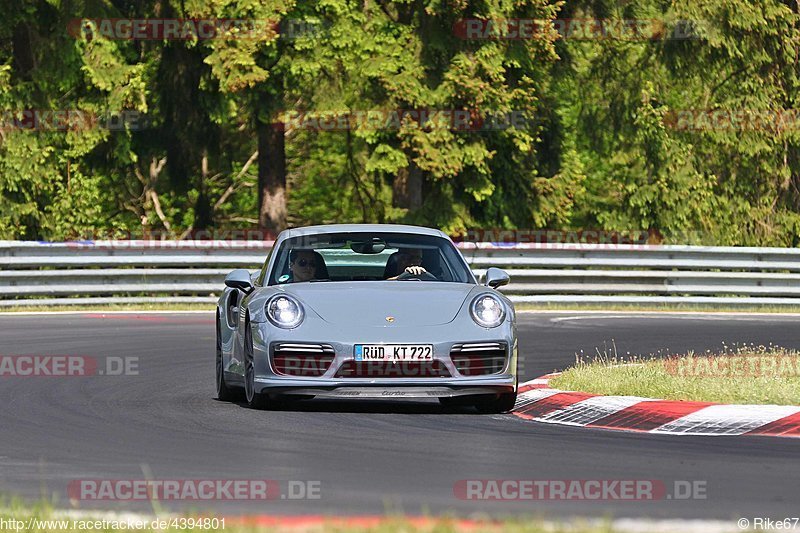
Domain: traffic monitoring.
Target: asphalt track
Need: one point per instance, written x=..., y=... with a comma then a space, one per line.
x=395, y=456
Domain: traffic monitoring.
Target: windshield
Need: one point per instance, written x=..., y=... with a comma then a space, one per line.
x=368, y=257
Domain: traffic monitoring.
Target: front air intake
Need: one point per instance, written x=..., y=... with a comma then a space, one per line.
x=301, y=360
x=479, y=358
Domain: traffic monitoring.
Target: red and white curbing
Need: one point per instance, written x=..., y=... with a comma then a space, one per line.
x=537, y=401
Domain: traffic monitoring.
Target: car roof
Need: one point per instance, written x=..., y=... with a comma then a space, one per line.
x=357, y=228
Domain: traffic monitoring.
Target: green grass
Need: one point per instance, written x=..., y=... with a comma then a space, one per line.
x=740, y=375
x=50, y=521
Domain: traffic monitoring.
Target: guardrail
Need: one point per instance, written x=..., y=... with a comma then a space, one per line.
x=102, y=272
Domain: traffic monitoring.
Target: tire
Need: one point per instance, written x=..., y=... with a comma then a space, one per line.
x=502, y=403
x=224, y=393
x=254, y=399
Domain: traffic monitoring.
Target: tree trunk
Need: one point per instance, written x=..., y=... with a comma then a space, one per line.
x=271, y=177
x=407, y=187
x=203, y=212
x=23, y=60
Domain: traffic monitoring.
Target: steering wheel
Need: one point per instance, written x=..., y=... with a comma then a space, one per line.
x=425, y=276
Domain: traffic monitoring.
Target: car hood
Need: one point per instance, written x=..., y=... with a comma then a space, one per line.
x=369, y=303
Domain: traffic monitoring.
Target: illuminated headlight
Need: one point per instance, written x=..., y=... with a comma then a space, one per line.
x=284, y=311
x=487, y=311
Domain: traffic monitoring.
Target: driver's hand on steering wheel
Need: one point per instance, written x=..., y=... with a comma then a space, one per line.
x=415, y=270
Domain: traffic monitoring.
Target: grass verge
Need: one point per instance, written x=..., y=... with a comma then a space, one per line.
x=737, y=375
x=17, y=518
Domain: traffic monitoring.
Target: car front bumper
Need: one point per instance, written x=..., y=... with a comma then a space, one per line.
x=389, y=388
x=342, y=339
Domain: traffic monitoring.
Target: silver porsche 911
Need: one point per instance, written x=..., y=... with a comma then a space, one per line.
x=366, y=311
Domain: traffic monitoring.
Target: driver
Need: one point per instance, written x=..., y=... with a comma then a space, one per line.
x=409, y=261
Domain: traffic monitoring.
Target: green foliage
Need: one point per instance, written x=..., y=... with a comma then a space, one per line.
x=560, y=132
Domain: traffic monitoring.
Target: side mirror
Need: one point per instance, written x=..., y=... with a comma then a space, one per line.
x=496, y=277
x=239, y=279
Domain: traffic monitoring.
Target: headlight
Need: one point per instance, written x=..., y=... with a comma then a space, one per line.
x=487, y=311
x=284, y=311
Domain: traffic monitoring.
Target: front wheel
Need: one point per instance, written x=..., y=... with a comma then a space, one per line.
x=254, y=399
x=501, y=403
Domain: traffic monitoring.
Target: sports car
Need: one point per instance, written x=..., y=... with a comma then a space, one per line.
x=366, y=311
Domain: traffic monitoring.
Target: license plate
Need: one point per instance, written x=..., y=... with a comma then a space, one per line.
x=394, y=352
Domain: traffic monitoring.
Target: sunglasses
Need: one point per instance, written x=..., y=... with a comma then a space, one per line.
x=305, y=262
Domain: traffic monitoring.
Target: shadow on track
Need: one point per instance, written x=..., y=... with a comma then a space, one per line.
x=364, y=406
